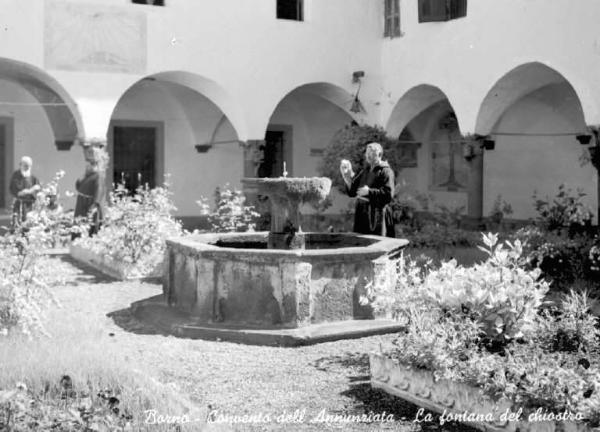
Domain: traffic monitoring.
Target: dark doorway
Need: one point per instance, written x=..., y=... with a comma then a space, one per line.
x=3, y=166
x=134, y=156
x=274, y=155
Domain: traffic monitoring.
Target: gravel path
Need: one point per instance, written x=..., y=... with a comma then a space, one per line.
x=234, y=380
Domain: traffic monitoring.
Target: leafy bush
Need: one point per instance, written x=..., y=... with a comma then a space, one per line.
x=26, y=274
x=436, y=236
x=25, y=282
x=533, y=378
x=406, y=202
x=563, y=260
x=135, y=228
x=565, y=211
x=500, y=210
x=562, y=243
x=571, y=327
x=231, y=213
x=438, y=230
x=498, y=294
x=547, y=359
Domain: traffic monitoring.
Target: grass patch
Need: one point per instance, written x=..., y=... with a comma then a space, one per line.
x=78, y=380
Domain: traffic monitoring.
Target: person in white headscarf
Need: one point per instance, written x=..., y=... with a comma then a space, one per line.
x=23, y=186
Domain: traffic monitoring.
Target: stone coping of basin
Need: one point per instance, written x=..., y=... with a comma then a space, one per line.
x=156, y=312
x=204, y=243
x=452, y=398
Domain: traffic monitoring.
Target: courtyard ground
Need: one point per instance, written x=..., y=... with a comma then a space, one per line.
x=93, y=328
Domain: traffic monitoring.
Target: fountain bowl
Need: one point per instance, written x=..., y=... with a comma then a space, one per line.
x=297, y=189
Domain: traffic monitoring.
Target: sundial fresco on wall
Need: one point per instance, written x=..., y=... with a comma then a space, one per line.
x=92, y=37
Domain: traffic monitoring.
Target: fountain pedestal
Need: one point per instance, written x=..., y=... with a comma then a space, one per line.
x=287, y=195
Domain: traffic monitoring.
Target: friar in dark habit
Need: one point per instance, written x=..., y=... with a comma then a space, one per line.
x=23, y=186
x=90, y=196
x=373, y=186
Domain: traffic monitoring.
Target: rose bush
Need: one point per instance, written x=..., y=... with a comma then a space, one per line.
x=135, y=227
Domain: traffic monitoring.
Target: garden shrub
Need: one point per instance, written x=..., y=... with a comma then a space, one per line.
x=562, y=243
x=499, y=294
x=438, y=230
x=565, y=212
x=436, y=236
x=406, y=203
x=500, y=210
x=543, y=358
x=231, y=213
x=26, y=273
x=135, y=227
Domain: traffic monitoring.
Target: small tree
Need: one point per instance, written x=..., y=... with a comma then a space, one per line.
x=350, y=143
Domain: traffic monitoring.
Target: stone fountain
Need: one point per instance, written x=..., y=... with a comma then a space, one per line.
x=282, y=287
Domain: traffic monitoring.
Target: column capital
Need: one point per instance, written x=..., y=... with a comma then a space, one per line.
x=253, y=143
x=97, y=142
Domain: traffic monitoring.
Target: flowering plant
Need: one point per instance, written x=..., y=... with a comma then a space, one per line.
x=231, y=213
x=566, y=210
x=26, y=274
x=547, y=360
x=499, y=294
x=135, y=228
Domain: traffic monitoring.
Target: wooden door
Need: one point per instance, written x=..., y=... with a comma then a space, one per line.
x=134, y=156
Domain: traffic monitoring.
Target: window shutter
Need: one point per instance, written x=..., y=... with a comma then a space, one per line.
x=433, y=10
x=387, y=13
x=458, y=9
x=396, y=25
x=391, y=18
x=290, y=9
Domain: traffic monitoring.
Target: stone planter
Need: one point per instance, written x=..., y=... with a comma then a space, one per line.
x=108, y=266
x=451, y=398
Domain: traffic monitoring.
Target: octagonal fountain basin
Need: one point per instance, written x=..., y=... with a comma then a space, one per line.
x=234, y=281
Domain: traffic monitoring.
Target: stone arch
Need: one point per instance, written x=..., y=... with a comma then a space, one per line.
x=534, y=113
x=305, y=119
x=196, y=128
x=319, y=109
x=209, y=89
x=329, y=92
x=514, y=85
x=60, y=108
x=412, y=103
